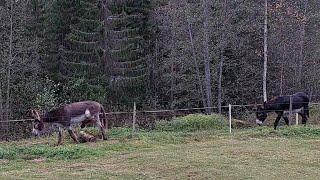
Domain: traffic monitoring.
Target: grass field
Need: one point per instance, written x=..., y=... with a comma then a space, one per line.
x=259, y=153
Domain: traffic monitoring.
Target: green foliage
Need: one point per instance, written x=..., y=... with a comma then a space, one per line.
x=130, y=31
x=83, y=75
x=47, y=98
x=193, y=122
x=79, y=89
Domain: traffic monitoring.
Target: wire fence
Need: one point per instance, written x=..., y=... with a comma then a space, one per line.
x=237, y=115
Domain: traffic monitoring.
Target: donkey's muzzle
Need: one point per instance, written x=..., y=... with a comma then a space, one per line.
x=35, y=132
x=259, y=122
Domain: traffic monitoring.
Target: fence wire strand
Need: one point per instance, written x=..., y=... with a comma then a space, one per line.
x=159, y=111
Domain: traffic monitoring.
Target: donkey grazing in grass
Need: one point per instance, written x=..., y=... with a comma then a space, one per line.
x=69, y=116
x=281, y=105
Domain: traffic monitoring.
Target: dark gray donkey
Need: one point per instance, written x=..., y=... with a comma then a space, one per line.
x=69, y=116
x=281, y=105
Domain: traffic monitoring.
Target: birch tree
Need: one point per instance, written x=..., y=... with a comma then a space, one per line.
x=303, y=21
x=265, y=51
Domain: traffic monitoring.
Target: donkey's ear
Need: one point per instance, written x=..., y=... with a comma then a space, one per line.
x=34, y=114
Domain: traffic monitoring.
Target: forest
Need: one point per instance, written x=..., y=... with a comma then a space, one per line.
x=161, y=54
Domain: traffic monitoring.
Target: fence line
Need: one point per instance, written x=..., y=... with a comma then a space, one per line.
x=164, y=110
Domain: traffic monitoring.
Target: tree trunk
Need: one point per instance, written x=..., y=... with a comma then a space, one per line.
x=207, y=65
x=104, y=20
x=284, y=57
x=265, y=50
x=172, y=85
x=196, y=65
x=284, y=54
x=1, y=107
x=222, y=43
x=10, y=60
x=104, y=45
x=173, y=58
x=302, y=42
x=154, y=71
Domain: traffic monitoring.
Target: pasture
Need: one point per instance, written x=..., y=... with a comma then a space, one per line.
x=258, y=153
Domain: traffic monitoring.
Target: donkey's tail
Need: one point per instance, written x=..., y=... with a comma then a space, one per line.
x=104, y=119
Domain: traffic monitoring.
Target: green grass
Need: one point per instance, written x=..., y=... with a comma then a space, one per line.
x=198, y=153
x=194, y=122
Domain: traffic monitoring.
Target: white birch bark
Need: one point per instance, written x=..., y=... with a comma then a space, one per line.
x=265, y=51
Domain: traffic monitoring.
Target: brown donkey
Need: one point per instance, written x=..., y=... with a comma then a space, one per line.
x=69, y=116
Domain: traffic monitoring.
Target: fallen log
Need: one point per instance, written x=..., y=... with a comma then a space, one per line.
x=85, y=137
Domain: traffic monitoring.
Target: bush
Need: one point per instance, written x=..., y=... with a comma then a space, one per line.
x=193, y=122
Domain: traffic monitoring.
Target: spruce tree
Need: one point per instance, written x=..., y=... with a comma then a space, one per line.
x=81, y=54
x=128, y=39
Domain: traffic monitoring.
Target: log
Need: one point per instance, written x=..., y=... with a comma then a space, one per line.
x=85, y=137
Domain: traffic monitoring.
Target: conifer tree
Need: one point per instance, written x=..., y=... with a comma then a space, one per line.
x=81, y=54
x=128, y=42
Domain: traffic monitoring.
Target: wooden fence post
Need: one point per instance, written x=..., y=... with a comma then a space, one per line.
x=290, y=109
x=297, y=118
x=134, y=118
x=230, y=118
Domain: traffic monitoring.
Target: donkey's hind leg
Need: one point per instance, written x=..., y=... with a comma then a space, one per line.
x=286, y=119
x=100, y=126
x=304, y=118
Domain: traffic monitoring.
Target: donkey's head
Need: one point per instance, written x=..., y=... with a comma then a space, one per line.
x=261, y=114
x=38, y=125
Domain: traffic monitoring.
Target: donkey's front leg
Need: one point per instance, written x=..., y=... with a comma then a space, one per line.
x=72, y=134
x=60, y=136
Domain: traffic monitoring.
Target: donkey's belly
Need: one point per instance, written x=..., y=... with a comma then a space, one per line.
x=80, y=118
x=286, y=113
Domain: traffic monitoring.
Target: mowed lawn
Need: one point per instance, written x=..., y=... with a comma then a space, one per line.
x=162, y=155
